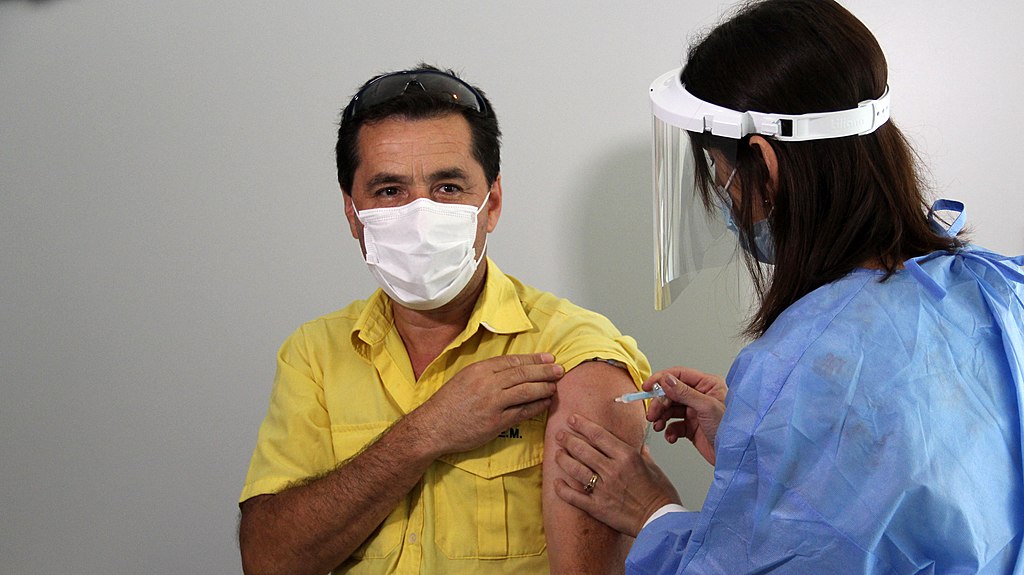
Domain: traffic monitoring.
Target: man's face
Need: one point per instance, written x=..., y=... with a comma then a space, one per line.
x=403, y=160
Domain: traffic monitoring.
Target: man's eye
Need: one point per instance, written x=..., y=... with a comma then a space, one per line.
x=449, y=188
x=387, y=192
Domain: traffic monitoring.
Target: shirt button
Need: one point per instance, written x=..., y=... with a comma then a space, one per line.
x=412, y=538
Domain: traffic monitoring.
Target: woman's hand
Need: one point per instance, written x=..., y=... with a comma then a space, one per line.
x=695, y=399
x=615, y=483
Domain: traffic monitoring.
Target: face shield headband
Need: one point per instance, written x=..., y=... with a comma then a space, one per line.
x=687, y=238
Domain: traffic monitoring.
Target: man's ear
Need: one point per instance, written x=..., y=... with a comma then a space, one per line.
x=494, y=205
x=350, y=213
x=771, y=161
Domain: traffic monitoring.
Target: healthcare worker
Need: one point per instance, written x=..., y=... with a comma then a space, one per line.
x=874, y=424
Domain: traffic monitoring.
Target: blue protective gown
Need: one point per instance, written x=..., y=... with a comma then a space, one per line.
x=874, y=428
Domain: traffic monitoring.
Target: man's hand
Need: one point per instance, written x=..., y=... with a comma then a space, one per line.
x=696, y=400
x=486, y=398
x=313, y=527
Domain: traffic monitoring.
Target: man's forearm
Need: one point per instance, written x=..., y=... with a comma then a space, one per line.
x=313, y=527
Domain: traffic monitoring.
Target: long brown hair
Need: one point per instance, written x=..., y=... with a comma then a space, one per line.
x=839, y=202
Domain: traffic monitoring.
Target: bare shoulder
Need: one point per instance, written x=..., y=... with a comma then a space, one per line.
x=590, y=390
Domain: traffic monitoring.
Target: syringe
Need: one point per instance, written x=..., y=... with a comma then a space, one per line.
x=636, y=396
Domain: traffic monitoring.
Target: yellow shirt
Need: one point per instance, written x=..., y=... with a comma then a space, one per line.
x=344, y=378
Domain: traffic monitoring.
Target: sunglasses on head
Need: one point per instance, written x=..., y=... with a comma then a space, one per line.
x=389, y=86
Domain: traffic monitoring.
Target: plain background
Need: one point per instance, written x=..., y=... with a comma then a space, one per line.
x=170, y=214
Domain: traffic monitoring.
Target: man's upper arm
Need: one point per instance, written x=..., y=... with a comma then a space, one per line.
x=294, y=441
x=576, y=541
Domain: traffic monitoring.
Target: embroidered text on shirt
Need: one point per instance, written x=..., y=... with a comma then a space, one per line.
x=511, y=433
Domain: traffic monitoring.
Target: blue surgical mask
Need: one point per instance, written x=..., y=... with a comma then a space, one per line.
x=764, y=242
x=763, y=248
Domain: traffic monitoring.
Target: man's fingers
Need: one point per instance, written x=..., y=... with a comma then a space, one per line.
x=505, y=371
x=523, y=411
x=531, y=372
x=503, y=362
x=522, y=393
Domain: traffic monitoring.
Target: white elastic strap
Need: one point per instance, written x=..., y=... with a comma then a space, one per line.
x=672, y=103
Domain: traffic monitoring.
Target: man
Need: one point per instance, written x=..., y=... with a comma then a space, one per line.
x=407, y=433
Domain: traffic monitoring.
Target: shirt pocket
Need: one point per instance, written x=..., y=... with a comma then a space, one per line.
x=349, y=441
x=488, y=501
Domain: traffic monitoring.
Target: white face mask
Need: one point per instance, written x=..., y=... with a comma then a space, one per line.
x=421, y=253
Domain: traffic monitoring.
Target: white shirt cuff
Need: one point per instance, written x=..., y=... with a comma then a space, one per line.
x=670, y=508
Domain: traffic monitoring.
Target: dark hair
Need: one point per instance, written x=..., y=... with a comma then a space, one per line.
x=839, y=202
x=420, y=105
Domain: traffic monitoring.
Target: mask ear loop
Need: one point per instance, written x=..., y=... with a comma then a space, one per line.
x=724, y=199
x=486, y=198
x=483, y=250
x=728, y=182
x=768, y=203
x=724, y=190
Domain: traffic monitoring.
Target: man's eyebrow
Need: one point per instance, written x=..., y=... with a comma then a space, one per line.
x=382, y=178
x=449, y=174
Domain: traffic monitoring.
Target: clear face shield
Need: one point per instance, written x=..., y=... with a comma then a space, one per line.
x=688, y=238
x=695, y=144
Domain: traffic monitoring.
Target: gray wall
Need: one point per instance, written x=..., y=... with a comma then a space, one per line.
x=169, y=215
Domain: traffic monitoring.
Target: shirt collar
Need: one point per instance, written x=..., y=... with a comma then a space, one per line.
x=497, y=310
